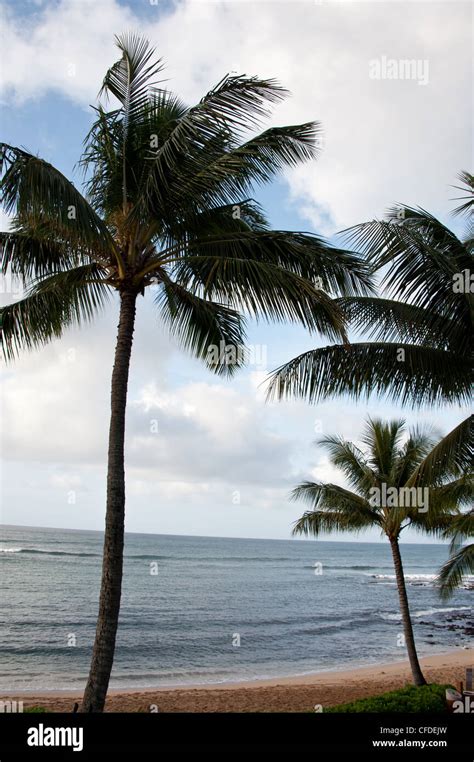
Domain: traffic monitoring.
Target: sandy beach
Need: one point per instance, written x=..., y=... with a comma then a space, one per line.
x=286, y=694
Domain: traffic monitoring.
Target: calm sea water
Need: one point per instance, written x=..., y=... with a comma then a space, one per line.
x=183, y=624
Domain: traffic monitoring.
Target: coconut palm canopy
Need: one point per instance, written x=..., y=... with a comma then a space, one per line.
x=167, y=204
x=420, y=334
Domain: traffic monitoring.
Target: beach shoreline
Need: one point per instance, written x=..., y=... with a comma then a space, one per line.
x=297, y=693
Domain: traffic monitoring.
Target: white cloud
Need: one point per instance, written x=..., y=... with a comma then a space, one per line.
x=64, y=48
x=65, y=481
x=385, y=141
x=211, y=433
x=55, y=401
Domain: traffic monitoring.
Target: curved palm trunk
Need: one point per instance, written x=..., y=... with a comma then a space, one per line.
x=418, y=678
x=112, y=563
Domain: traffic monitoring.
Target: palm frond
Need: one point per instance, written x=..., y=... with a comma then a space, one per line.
x=391, y=320
x=334, y=270
x=453, y=571
x=410, y=374
x=415, y=449
x=33, y=257
x=216, y=221
x=316, y=523
x=269, y=292
x=213, y=332
x=467, y=189
x=382, y=440
x=453, y=494
x=133, y=76
x=333, y=508
x=220, y=172
x=452, y=455
x=213, y=126
x=52, y=304
x=423, y=257
x=351, y=460
x=131, y=80
x=433, y=522
x=32, y=189
x=461, y=526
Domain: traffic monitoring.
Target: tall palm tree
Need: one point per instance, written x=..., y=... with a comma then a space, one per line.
x=382, y=475
x=166, y=208
x=421, y=332
x=461, y=560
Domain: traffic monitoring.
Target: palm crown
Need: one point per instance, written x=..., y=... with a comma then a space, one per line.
x=420, y=332
x=386, y=460
x=168, y=204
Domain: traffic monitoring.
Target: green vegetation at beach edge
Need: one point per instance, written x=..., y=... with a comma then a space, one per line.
x=424, y=699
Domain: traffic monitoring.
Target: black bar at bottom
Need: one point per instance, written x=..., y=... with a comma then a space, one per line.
x=426, y=735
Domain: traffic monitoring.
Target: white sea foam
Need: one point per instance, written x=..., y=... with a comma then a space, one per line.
x=391, y=617
x=426, y=612
x=429, y=612
x=407, y=576
x=422, y=579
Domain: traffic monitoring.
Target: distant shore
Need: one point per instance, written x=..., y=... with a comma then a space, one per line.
x=285, y=694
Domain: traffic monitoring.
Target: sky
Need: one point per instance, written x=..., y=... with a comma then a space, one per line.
x=208, y=456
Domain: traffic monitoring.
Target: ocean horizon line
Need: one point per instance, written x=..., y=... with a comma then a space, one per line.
x=224, y=537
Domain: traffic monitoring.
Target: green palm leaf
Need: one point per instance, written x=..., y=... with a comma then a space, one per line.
x=51, y=305
x=422, y=255
x=265, y=290
x=204, y=327
x=204, y=133
x=404, y=372
x=133, y=75
x=34, y=189
x=391, y=320
x=453, y=455
x=452, y=572
x=467, y=188
x=33, y=257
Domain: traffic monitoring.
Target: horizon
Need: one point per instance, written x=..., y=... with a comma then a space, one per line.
x=222, y=537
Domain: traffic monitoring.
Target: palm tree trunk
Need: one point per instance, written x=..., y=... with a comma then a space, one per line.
x=112, y=563
x=418, y=678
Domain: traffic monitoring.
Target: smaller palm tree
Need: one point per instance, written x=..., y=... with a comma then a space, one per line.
x=461, y=560
x=395, y=485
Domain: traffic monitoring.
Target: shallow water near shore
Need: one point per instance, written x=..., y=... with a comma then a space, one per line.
x=199, y=610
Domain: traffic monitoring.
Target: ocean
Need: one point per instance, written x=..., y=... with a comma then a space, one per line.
x=208, y=610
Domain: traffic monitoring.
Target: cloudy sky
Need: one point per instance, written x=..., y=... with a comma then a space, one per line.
x=207, y=456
